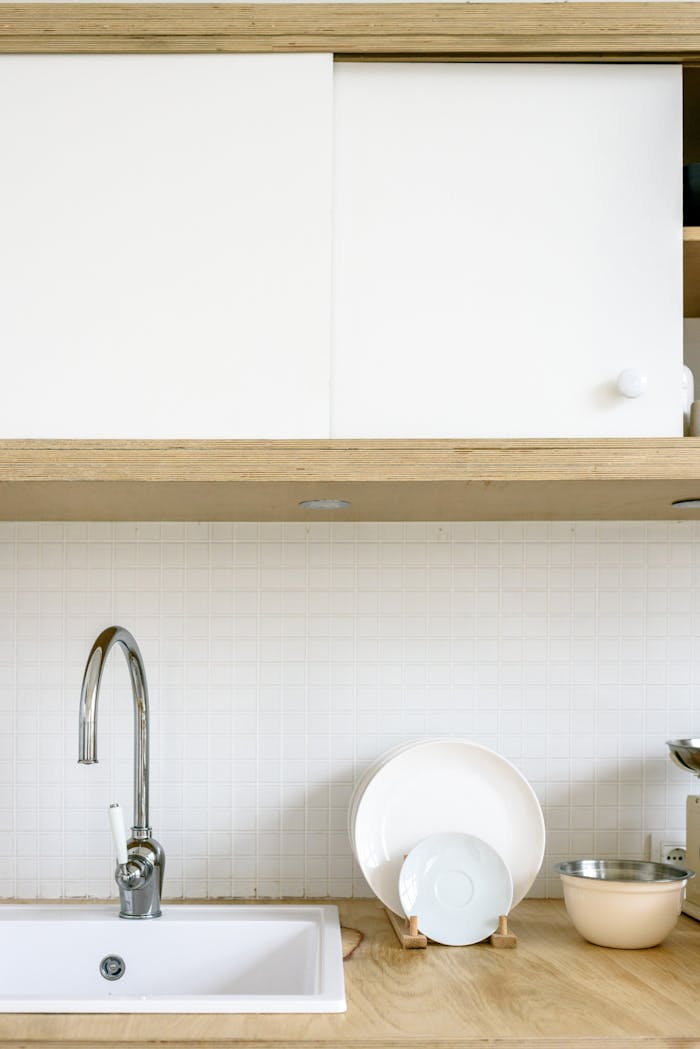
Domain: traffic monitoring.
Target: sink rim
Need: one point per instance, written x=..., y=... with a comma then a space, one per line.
x=330, y=997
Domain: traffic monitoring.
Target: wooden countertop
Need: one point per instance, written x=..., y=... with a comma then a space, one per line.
x=553, y=990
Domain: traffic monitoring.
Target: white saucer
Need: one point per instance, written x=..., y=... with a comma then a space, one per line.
x=457, y=886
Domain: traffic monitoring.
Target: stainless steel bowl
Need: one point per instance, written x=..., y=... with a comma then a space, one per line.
x=624, y=870
x=686, y=753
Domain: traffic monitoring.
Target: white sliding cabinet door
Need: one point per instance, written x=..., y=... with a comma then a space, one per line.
x=507, y=239
x=165, y=237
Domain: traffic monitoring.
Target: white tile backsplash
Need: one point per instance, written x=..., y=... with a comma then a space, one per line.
x=282, y=658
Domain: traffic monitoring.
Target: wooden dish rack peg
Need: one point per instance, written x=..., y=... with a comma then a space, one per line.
x=406, y=930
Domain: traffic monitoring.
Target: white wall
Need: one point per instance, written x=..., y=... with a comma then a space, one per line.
x=282, y=658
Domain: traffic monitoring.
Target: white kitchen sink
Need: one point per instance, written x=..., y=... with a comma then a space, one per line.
x=231, y=958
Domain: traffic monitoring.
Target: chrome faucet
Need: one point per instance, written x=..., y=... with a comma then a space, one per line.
x=141, y=862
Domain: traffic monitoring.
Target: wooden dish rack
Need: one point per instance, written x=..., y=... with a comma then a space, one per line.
x=411, y=939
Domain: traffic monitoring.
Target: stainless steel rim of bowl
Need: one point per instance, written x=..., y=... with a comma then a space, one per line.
x=686, y=753
x=624, y=870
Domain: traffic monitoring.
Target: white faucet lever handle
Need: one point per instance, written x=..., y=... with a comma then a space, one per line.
x=116, y=822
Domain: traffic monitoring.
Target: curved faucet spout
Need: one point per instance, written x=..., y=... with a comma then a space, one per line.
x=87, y=743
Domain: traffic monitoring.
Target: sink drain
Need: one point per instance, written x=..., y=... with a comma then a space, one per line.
x=112, y=967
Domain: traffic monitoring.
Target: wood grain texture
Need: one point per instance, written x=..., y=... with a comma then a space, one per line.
x=384, y=480
x=554, y=991
x=595, y=31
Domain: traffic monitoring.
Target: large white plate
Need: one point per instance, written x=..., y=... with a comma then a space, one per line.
x=366, y=777
x=443, y=786
x=457, y=886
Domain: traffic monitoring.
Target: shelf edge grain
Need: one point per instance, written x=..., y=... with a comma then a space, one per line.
x=376, y=461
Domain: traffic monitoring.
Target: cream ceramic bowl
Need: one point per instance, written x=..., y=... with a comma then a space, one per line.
x=623, y=903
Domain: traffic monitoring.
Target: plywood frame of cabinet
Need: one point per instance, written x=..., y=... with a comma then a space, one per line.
x=390, y=480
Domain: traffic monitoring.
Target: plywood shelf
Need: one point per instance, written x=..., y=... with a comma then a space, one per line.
x=598, y=32
x=383, y=480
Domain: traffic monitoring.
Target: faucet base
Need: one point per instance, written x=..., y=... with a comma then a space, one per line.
x=140, y=879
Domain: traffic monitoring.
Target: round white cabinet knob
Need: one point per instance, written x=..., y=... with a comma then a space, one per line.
x=631, y=382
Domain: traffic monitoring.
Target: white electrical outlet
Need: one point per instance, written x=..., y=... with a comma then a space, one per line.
x=664, y=850
x=672, y=853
